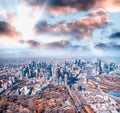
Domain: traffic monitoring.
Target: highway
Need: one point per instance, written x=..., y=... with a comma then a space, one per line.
x=79, y=103
x=74, y=99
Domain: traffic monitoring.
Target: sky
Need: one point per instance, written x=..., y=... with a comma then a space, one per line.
x=60, y=28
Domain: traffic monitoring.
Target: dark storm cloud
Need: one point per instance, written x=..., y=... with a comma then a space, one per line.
x=66, y=45
x=58, y=44
x=62, y=44
x=102, y=46
x=51, y=45
x=115, y=35
x=33, y=43
x=7, y=30
x=82, y=28
x=42, y=26
x=62, y=6
x=108, y=46
x=35, y=2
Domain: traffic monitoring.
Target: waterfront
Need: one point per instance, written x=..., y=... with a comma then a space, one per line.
x=117, y=94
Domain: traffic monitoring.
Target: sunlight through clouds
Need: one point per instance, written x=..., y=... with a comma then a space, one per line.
x=70, y=27
x=25, y=20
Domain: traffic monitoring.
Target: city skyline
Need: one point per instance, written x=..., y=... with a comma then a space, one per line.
x=35, y=28
x=57, y=85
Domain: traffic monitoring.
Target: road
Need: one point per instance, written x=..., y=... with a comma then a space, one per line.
x=79, y=103
x=74, y=99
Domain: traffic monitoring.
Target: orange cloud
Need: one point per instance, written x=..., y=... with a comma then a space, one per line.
x=82, y=28
x=7, y=30
x=109, y=5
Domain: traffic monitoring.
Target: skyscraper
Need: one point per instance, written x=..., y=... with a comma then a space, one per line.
x=66, y=80
x=98, y=67
x=23, y=72
x=112, y=66
x=106, y=69
x=58, y=75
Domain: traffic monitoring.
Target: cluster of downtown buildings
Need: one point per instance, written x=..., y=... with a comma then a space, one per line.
x=57, y=73
x=30, y=78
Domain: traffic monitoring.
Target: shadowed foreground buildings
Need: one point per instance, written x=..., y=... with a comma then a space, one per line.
x=53, y=99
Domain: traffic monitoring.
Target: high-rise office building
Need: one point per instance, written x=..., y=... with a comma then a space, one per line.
x=23, y=72
x=30, y=73
x=98, y=62
x=60, y=82
x=106, y=69
x=58, y=75
x=79, y=62
x=66, y=80
x=27, y=75
x=33, y=64
x=63, y=71
x=49, y=70
x=98, y=67
x=112, y=66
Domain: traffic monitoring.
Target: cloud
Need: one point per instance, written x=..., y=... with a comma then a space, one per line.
x=21, y=41
x=59, y=45
x=21, y=20
x=102, y=46
x=82, y=28
x=98, y=12
x=61, y=6
x=34, y=2
x=115, y=35
x=42, y=27
x=109, y=5
x=7, y=30
x=33, y=44
x=51, y=45
x=108, y=46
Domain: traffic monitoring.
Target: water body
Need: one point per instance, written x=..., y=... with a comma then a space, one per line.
x=117, y=94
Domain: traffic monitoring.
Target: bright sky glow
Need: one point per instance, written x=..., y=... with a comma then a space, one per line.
x=47, y=28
